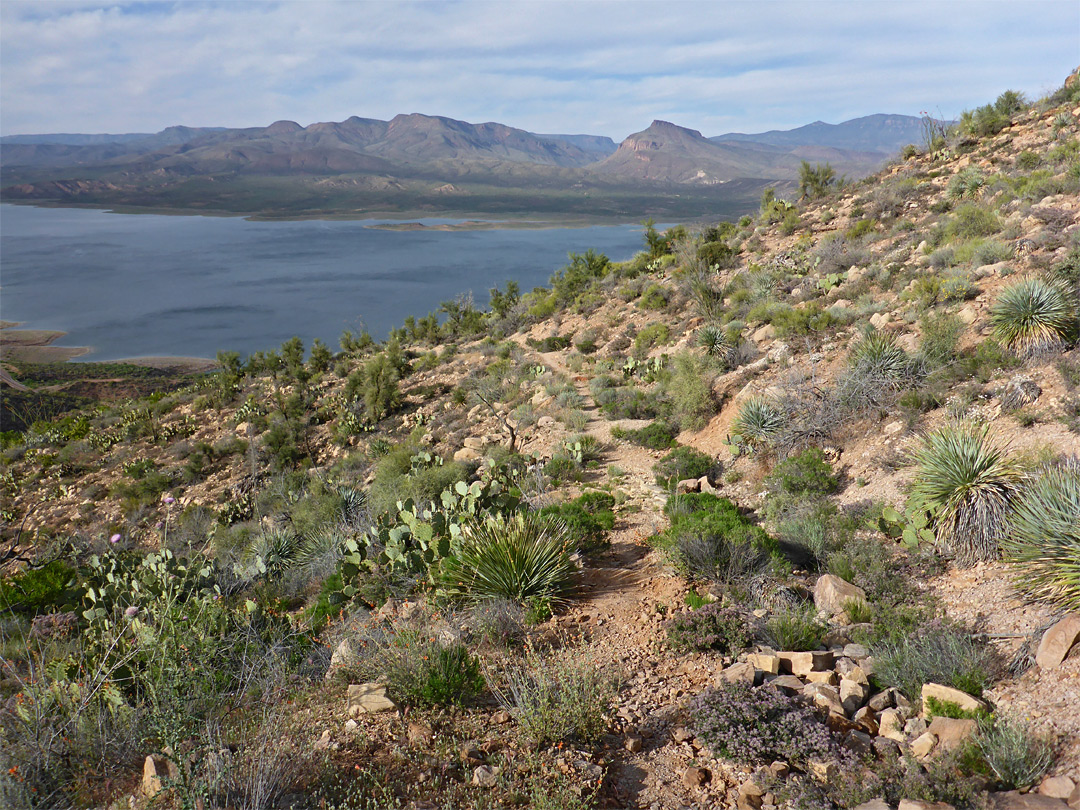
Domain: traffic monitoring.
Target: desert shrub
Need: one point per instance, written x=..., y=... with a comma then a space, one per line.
x=940, y=336
x=656, y=435
x=936, y=653
x=722, y=343
x=796, y=629
x=710, y=627
x=654, y=297
x=990, y=251
x=816, y=181
x=689, y=390
x=36, y=590
x=759, y=422
x=680, y=464
x=1016, y=756
x=559, y=697
x=967, y=484
x=967, y=182
x=1043, y=535
x=971, y=220
x=521, y=557
x=420, y=672
x=716, y=254
x=806, y=474
x=808, y=320
x=1033, y=316
x=627, y=402
x=877, y=354
x=710, y=539
x=589, y=518
x=759, y=725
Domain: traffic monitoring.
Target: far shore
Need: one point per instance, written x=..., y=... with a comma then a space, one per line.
x=36, y=346
x=409, y=220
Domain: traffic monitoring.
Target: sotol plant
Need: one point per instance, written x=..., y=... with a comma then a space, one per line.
x=967, y=484
x=877, y=354
x=759, y=422
x=1033, y=316
x=1044, y=535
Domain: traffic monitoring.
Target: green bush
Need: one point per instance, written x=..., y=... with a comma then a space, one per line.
x=521, y=557
x=560, y=697
x=1043, y=535
x=816, y=181
x=968, y=485
x=710, y=627
x=36, y=590
x=877, y=354
x=654, y=297
x=796, y=629
x=420, y=672
x=807, y=474
x=655, y=334
x=680, y=464
x=1033, y=316
x=656, y=435
x=710, y=539
x=1016, y=756
x=971, y=220
x=689, y=390
x=935, y=653
x=940, y=337
x=589, y=518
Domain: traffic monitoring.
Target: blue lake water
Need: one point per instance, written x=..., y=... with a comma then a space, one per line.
x=140, y=285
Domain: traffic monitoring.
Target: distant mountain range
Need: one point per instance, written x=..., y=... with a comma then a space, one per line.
x=424, y=163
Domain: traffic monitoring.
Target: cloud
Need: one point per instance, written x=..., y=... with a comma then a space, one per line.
x=600, y=67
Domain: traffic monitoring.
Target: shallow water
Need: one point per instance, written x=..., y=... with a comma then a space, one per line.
x=139, y=285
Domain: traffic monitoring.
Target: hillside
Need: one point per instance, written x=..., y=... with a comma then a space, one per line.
x=699, y=529
x=405, y=164
x=885, y=134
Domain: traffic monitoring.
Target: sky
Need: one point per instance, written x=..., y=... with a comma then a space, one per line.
x=590, y=66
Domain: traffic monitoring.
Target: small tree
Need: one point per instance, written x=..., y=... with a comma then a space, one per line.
x=815, y=181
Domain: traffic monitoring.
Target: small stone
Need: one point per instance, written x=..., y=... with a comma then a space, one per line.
x=1057, y=641
x=764, y=662
x=853, y=695
x=323, y=743
x=829, y=678
x=742, y=672
x=471, y=755
x=891, y=725
x=856, y=651
x=946, y=694
x=501, y=717
x=923, y=745
x=874, y=804
x=865, y=719
x=824, y=697
x=351, y=726
x=880, y=701
x=688, y=485
x=681, y=734
x=696, y=777
x=860, y=742
x=803, y=663
x=486, y=776
x=789, y=683
x=824, y=771
x=951, y=733
x=884, y=747
x=831, y=593
x=1057, y=787
x=780, y=769
x=915, y=726
x=633, y=743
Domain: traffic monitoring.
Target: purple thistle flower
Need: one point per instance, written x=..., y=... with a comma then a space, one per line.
x=131, y=612
x=169, y=500
x=115, y=539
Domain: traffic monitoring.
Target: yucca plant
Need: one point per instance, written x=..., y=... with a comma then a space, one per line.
x=1044, y=535
x=522, y=557
x=274, y=551
x=966, y=183
x=968, y=485
x=877, y=354
x=721, y=343
x=759, y=422
x=1033, y=316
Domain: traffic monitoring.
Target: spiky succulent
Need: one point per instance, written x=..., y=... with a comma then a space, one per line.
x=720, y=342
x=521, y=557
x=759, y=422
x=274, y=551
x=968, y=484
x=966, y=183
x=1033, y=316
x=1044, y=535
x=877, y=354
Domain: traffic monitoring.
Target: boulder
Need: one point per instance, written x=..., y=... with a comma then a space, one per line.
x=831, y=593
x=789, y=683
x=952, y=732
x=891, y=725
x=368, y=698
x=1057, y=641
x=695, y=777
x=155, y=768
x=803, y=663
x=853, y=695
x=923, y=745
x=765, y=662
x=743, y=672
x=1057, y=787
x=1014, y=800
x=688, y=485
x=467, y=454
x=946, y=694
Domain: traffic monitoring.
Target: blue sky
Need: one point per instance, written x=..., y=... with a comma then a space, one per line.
x=605, y=68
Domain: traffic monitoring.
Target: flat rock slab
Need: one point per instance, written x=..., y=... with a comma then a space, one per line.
x=946, y=694
x=831, y=594
x=1014, y=800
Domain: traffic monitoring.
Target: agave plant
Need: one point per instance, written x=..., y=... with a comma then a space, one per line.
x=1033, y=316
x=720, y=342
x=877, y=354
x=523, y=556
x=1044, y=535
x=968, y=485
x=759, y=421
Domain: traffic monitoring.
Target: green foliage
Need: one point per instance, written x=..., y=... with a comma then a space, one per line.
x=970, y=221
x=575, y=278
x=759, y=423
x=558, y=697
x=655, y=334
x=680, y=464
x=588, y=518
x=708, y=627
x=423, y=673
x=36, y=590
x=716, y=254
x=805, y=474
x=816, y=181
x=940, y=337
x=1016, y=755
x=967, y=183
x=1043, y=535
x=690, y=392
x=656, y=435
x=796, y=629
x=935, y=653
x=519, y=557
x=721, y=343
x=654, y=297
x=968, y=484
x=861, y=229
x=1033, y=316
x=878, y=356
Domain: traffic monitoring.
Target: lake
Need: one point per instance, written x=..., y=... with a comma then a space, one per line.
x=144, y=285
